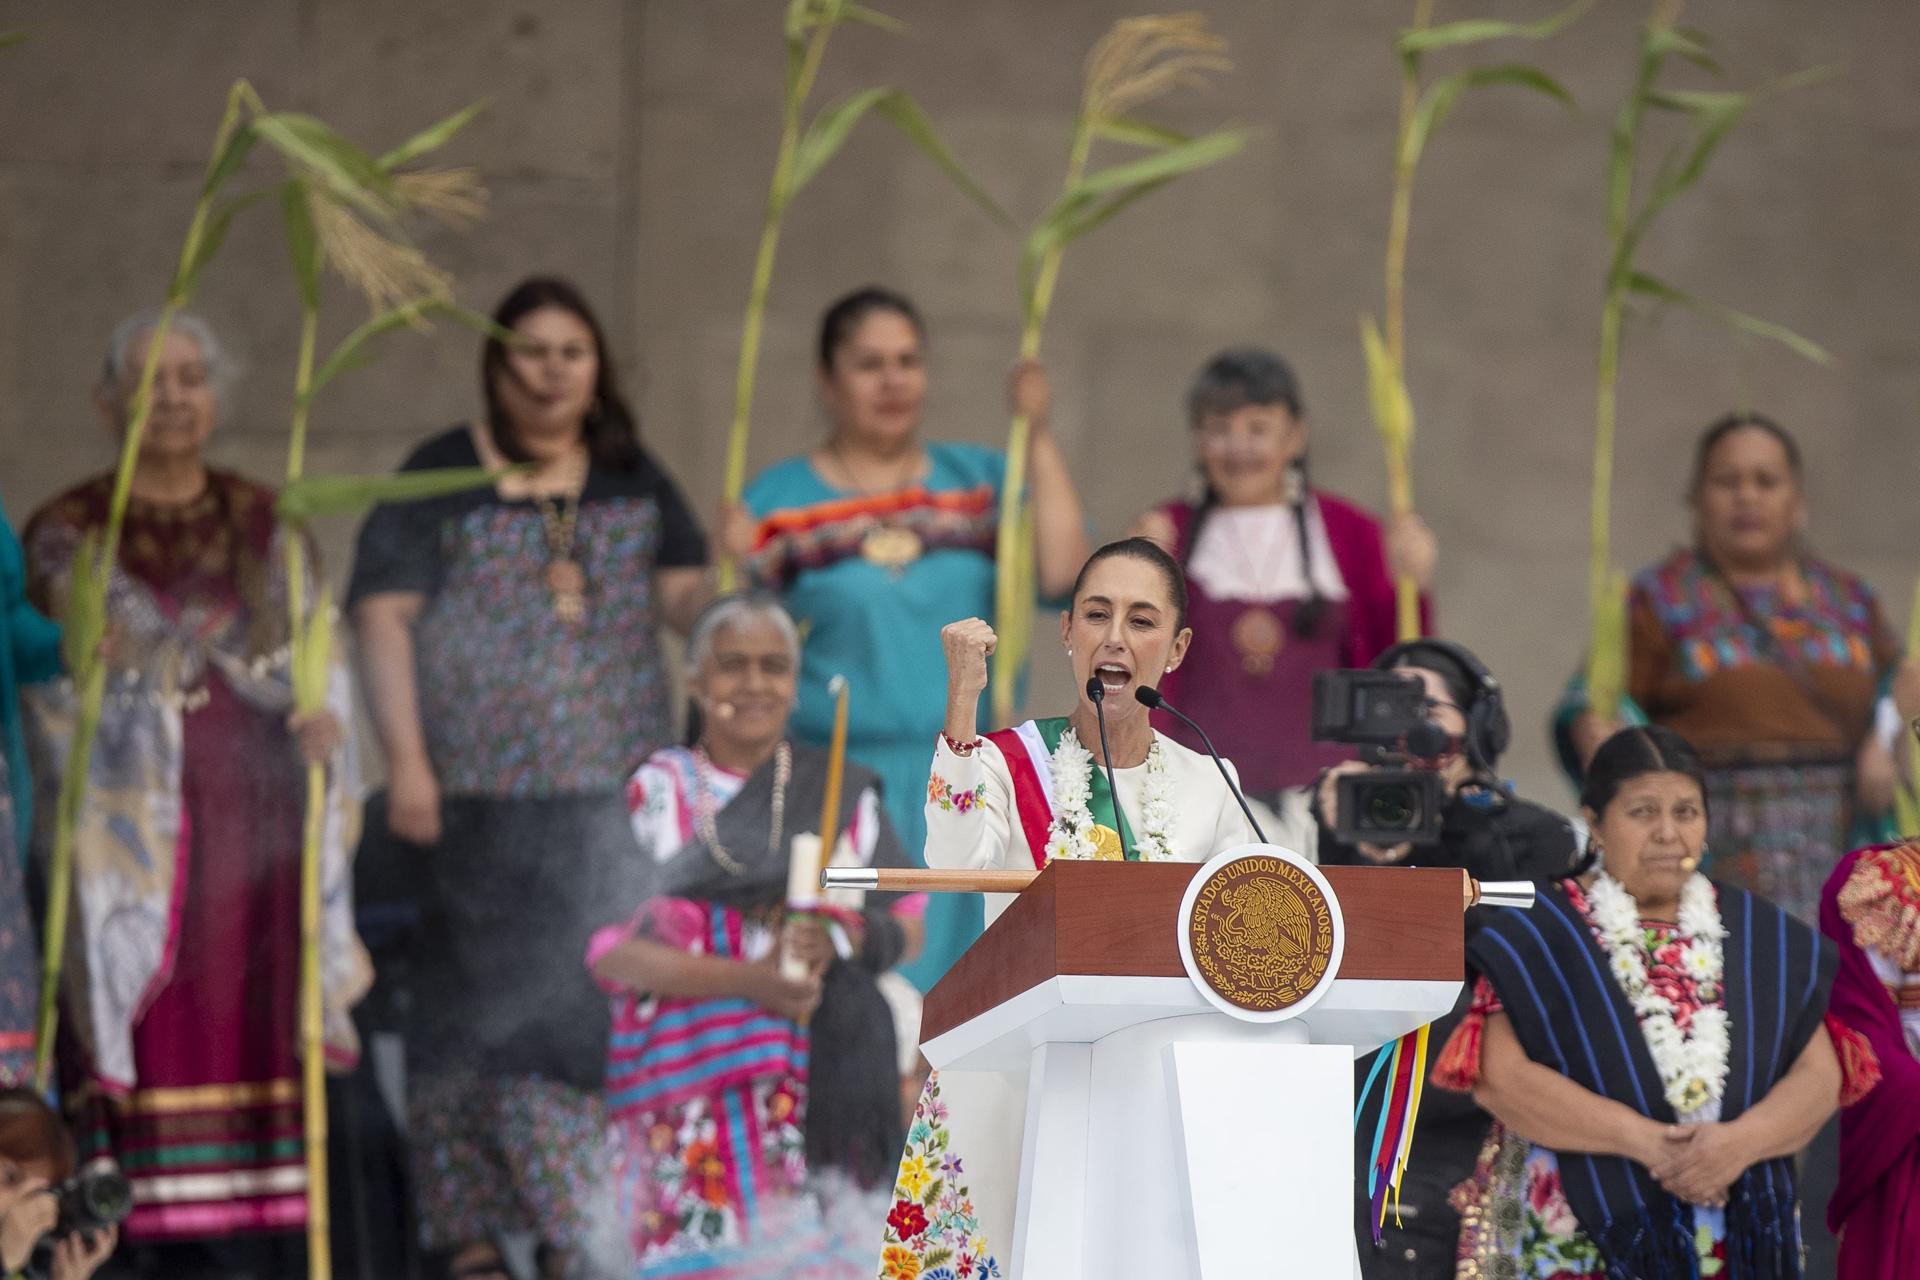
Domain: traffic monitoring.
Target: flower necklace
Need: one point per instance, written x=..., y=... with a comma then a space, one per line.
x=1692, y=1062
x=1071, y=834
x=704, y=809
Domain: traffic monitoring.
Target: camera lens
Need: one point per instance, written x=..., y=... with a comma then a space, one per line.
x=1393, y=808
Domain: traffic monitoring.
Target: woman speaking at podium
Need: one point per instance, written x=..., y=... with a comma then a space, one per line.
x=1020, y=798
x=1025, y=796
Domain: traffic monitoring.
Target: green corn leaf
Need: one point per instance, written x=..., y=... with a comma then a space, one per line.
x=211, y=238
x=1702, y=102
x=429, y=139
x=346, y=171
x=1138, y=133
x=1685, y=42
x=1185, y=157
x=1386, y=391
x=303, y=242
x=1412, y=43
x=825, y=136
x=1067, y=222
x=351, y=353
x=232, y=155
x=18, y=35
x=1438, y=101
x=312, y=496
x=904, y=114
x=872, y=18
x=1659, y=290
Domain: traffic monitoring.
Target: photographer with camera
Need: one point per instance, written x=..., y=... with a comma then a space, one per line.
x=53, y=1222
x=1431, y=723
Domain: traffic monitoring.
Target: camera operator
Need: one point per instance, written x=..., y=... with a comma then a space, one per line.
x=1439, y=783
x=36, y=1162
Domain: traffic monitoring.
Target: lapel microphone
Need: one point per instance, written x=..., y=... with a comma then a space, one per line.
x=1097, y=692
x=1151, y=699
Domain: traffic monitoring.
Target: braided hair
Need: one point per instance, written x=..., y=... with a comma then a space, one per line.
x=1232, y=380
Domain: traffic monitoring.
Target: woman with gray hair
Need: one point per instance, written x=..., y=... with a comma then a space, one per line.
x=187, y=858
x=715, y=1051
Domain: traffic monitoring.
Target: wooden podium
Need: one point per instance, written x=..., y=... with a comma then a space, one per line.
x=1157, y=1135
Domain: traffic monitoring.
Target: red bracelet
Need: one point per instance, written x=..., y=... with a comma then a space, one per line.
x=960, y=748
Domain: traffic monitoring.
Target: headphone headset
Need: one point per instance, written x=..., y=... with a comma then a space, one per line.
x=1489, y=731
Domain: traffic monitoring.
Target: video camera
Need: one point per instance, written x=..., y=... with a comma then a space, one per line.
x=1385, y=714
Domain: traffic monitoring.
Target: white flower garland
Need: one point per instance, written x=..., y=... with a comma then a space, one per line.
x=1692, y=1064
x=1071, y=833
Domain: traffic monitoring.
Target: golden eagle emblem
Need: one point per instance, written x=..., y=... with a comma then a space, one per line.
x=1261, y=933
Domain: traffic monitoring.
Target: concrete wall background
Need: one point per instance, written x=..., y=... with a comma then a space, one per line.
x=629, y=145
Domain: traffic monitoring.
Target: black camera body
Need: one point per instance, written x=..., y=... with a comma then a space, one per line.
x=1390, y=806
x=1385, y=714
x=97, y=1197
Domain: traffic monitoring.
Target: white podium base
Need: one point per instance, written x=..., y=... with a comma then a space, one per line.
x=1185, y=1147
x=1120, y=1128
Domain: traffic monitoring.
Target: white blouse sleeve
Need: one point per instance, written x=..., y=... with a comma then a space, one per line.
x=969, y=808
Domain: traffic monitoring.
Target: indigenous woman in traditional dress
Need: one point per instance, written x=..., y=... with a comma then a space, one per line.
x=1652, y=1044
x=878, y=538
x=1771, y=660
x=1871, y=910
x=182, y=999
x=29, y=652
x=1286, y=579
x=1023, y=797
x=759, y=1111
x=511, y=640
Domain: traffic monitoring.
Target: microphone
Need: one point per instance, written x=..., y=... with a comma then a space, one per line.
x=1097, y=693
x=1151, y=699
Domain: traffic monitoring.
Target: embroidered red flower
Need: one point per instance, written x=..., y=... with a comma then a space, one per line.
x=907, y=1219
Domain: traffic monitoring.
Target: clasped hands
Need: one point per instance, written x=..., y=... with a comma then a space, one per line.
x=1697, y=1163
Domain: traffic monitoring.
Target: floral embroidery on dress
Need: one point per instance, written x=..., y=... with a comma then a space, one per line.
x=952, y=800
x=933, y=1232
x=694, y=1188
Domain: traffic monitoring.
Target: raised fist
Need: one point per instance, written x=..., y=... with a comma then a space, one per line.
x=969, y=643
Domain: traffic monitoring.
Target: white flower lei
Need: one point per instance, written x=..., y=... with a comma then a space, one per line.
x=1071, y=833
x=1692, y=1064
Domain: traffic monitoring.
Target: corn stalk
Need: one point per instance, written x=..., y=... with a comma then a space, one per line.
x=86, y=596
x=1907, y=795
x=1137, y=61
x=1710, y=117
x=1422, y=109
x=334, y=186
x=805, y=149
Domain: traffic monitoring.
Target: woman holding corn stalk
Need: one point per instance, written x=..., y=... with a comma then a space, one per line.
x=187, y=858
x=511, y=637
x=1286, y=579
x=878, y=538
x=1773, y=662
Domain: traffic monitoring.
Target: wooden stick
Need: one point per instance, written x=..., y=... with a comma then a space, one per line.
x=926, y=880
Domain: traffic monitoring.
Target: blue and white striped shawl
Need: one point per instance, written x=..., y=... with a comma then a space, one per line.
x=1571, y=1015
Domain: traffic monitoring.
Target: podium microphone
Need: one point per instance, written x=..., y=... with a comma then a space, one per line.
x=1151, y=699
x=1097, y=693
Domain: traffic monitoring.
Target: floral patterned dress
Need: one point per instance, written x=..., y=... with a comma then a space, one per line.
x=1515, y=1219
x=933, y=1231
